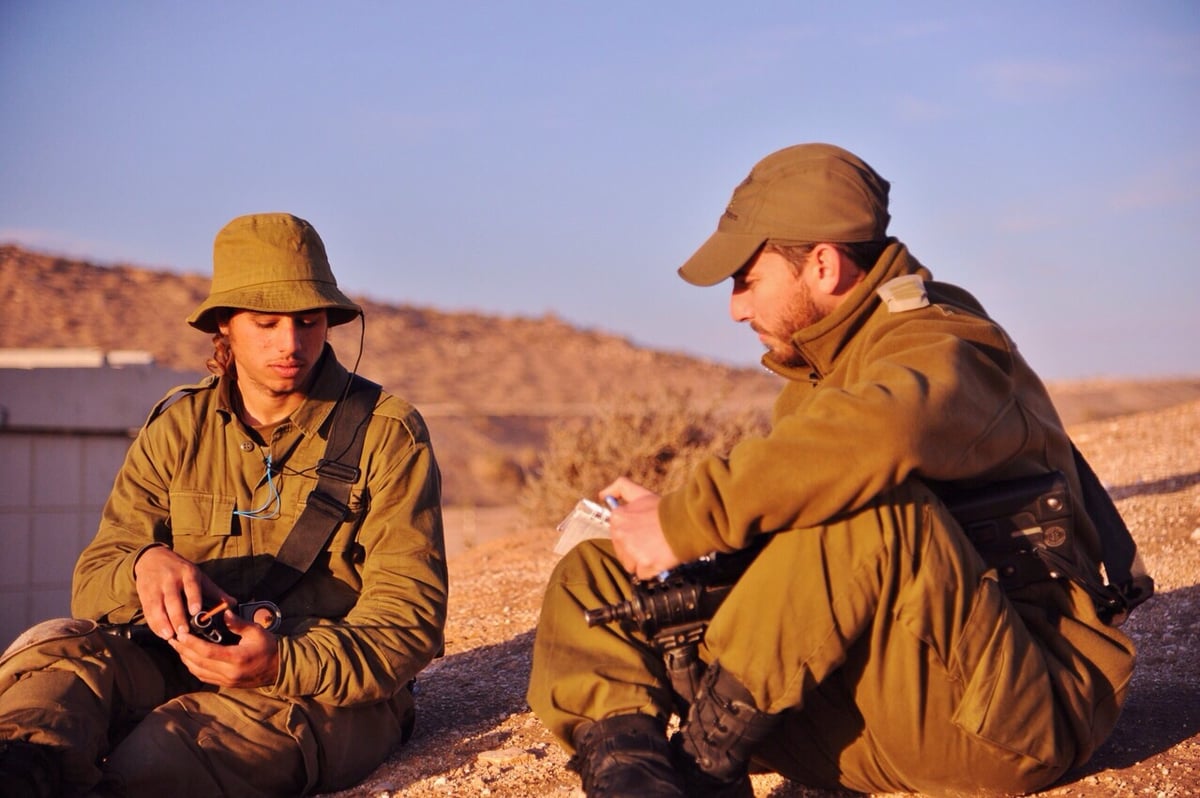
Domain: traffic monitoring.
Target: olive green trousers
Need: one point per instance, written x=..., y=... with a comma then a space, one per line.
x=897, y=661
x=130, y=721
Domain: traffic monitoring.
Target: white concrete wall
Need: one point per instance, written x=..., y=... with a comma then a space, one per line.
x=64, y=432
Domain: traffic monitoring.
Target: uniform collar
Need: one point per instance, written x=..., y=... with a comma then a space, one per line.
x=820, y=344
x=329, y=386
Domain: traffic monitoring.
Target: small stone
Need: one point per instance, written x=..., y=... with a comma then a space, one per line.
x=504, y=756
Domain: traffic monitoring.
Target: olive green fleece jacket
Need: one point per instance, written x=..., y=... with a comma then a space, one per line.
x=370, y=612
x=939, y=392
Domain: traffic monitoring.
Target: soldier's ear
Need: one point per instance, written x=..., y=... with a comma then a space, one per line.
x=826, y=269
x=834, y=272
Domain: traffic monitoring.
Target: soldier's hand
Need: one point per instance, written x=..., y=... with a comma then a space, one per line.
x=637, y=535
x=171, y=590
x=252, y=662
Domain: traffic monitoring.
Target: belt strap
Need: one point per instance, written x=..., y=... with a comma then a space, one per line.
x=1122, y=565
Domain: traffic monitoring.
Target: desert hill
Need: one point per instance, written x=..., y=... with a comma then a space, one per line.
x=487, y=384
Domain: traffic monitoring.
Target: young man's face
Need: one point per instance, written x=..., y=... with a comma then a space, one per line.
x=776, y=301
x=275, y=352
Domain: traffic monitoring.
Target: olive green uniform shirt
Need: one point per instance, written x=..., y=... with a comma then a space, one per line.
x=368, y=615
x=938, y=392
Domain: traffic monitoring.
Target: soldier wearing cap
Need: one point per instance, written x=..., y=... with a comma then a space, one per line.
x=868, y=645
x=124, y=699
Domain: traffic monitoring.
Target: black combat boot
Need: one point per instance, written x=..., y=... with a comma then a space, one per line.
x=626, y=756
x=712, y=748
x=29, y=770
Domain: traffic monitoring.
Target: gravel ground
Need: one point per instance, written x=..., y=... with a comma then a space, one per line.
x=476, y=736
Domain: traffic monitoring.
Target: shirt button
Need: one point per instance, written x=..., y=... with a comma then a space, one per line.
x=247, y=446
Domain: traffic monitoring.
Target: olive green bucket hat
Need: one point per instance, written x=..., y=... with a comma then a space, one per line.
x=807, y=193
x=271, y=263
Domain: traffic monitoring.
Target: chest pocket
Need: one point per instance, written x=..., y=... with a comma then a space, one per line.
x=294, y=498
x=196, y=513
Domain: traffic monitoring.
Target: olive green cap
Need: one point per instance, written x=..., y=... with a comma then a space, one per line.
x=271, y=263
x=806, y=193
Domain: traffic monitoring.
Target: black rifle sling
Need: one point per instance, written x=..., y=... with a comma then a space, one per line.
x=1121, y=565
x=328, y=502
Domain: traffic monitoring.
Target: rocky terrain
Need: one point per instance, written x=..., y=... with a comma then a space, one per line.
x=490, y=386
x=476, y=736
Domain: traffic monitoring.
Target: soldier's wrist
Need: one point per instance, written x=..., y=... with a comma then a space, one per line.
x=138, y=556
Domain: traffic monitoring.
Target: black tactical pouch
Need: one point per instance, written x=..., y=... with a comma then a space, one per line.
x=1021, y=527
x=1024, y=528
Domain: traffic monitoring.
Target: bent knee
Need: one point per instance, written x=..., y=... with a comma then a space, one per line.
x=49, y=631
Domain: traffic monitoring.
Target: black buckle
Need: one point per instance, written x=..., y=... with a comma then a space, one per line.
x=337, y=470
x=327, y=505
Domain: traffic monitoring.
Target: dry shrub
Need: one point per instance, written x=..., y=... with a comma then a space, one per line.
x=497, y=470
x=655, y=441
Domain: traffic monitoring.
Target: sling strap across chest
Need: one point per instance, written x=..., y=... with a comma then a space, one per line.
x=328, y=503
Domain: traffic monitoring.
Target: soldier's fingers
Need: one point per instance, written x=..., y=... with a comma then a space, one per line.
x=177, y=613
x=156, y=618
x=192, y=582
x=622, y=489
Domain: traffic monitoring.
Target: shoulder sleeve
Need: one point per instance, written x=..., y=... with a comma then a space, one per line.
x=177, y=392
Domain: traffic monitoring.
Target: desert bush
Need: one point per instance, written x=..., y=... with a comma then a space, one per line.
x=653, y=440
x=497, y=470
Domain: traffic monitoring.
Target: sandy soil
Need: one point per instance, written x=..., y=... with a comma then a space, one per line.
x=477, y=737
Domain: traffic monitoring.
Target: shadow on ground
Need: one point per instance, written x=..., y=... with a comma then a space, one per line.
x=1158, y=487
x=453, y=702
x=1163, y=708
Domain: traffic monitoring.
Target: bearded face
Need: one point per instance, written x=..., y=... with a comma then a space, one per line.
x=772, y=296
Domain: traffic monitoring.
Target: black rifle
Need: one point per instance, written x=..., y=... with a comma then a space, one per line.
x=673, y=610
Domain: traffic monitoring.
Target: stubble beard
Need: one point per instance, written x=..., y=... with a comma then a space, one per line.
x=802, y=311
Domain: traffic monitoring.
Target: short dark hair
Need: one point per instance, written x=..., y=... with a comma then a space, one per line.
x=862, y=253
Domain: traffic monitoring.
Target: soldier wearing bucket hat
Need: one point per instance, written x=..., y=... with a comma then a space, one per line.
x=871, y=643
x=302, y=497
x=272, y=263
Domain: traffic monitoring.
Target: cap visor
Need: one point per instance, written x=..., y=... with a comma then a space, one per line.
x=721, y=256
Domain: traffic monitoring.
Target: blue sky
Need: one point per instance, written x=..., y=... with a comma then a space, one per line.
x=532, y=158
